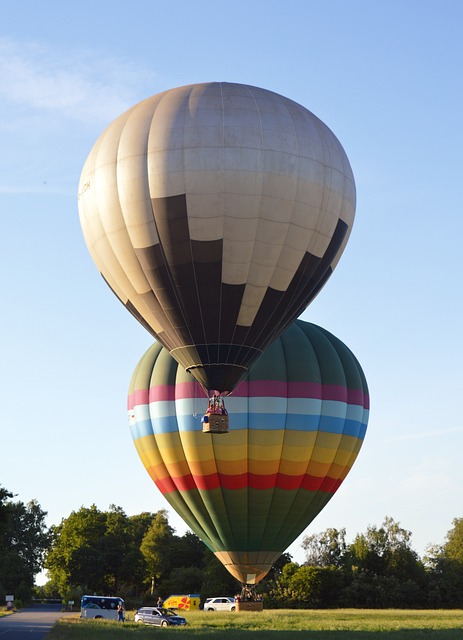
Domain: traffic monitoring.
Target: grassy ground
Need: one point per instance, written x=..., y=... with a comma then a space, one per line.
x=339, y=624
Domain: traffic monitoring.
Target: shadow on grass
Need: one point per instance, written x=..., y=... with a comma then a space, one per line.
x=267, y=634
x=76, y=631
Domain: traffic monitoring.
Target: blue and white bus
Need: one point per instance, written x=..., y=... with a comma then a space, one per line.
x=100, y=607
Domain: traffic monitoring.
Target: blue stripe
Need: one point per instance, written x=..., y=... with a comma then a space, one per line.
x=141, y=429
x=257, y=421
x=166, y=424
x=294, y=422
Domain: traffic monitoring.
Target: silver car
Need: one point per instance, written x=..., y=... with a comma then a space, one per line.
x=159, y=616
x=223, y=603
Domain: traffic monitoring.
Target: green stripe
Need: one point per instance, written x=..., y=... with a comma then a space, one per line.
x=291, y=512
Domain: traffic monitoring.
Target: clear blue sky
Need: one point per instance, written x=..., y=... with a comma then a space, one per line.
x=386, y=78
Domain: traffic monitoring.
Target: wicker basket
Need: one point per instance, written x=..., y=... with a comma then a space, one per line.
x=216, y=423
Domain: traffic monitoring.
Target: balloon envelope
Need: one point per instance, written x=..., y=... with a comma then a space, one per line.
x=216, y=212
x=296, y=426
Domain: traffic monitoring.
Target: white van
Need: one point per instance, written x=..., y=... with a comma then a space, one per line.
x=100, y=607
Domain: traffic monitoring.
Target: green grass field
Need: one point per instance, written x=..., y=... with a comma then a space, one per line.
x=338, y=624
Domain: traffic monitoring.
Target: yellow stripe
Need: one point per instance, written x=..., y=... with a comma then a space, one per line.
x=148, y=451
x=265, y=455
x=328, y=456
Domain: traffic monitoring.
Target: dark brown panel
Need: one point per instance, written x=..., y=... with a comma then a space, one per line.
x=199, y=313
x=279, y=309
x=207, y=259
x=232, y=296
x=207, y=252
x=312, y=281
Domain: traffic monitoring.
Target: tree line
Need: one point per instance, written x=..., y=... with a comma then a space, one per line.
x=379, y=569
x=140, y=558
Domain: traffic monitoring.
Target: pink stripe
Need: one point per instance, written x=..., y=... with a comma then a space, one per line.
x=161, y=393
x=280, y=389
x=261, y=388
x=186, y=390
x=334, y=392
x=180, y=391
x=356, y=396
x=306, y=390
x=258, y=388
x=140, y=396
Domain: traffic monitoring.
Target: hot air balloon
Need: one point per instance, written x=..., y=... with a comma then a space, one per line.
x=216, y=212
x=299, y=422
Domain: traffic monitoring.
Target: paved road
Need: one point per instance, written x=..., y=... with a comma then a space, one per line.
x=32, y=624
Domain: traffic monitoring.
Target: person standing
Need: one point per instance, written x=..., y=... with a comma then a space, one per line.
x=120, y=613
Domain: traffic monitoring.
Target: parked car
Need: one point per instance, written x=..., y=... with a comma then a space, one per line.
x=223, y=603
x=159, y=616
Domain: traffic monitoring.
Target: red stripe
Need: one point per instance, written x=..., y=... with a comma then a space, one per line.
x=168, y=485
x=250, y=481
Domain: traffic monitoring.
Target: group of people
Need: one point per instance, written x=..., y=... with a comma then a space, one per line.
x=216, y=405
x=216, y=408
x=248, y=595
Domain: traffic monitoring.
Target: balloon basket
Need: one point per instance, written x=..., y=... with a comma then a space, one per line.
x=216, y=423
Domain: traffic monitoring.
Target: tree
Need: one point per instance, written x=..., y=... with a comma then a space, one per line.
x=277, y=590
x=96, y=551
x=4, y=496
x=155, y=547
x=378, y=569
x=326, y=549
x=445, y=566
x=453, y=546
x=182, y=580
x=118, y=544
x=134, y=562
x=139, y=525
x=77, y=551
x=384, y=550
x=307, y=586
x=186, y=551
x=24, y=540
x=387, y=572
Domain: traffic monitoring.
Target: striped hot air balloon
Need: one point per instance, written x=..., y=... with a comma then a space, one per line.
x=216, y=212
x=297, y=425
